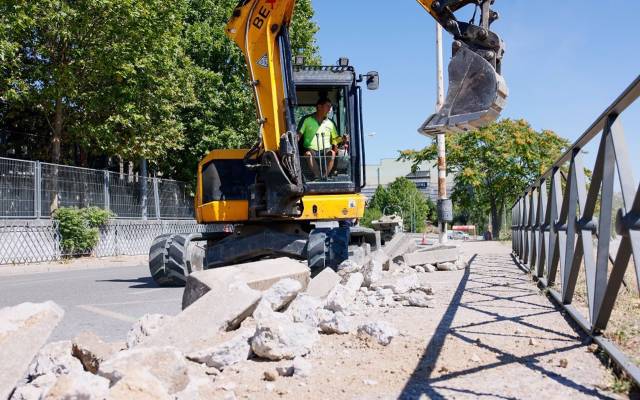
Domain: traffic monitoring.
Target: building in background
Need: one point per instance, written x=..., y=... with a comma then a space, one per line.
x=389, y=169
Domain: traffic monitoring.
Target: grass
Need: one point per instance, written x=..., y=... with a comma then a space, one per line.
x=623, y=328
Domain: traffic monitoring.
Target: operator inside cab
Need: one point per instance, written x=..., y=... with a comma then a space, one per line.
x=319, y=139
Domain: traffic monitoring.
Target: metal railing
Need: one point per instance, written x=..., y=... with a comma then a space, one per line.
x=32, y=189
x=563, y=222
x=32, y=241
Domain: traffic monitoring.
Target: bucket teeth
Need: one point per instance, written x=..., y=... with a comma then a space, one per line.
x=475, y=98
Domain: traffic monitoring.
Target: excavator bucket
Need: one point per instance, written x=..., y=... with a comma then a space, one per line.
x=476, y=96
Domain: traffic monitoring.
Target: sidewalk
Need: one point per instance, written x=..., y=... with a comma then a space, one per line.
x=74, y=264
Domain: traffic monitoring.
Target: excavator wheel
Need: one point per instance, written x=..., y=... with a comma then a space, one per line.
x=165, y=262
x=173, y=257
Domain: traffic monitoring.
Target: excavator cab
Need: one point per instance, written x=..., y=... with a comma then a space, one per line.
x=332, y=164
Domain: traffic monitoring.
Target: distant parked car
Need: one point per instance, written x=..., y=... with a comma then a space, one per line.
x=457, y=235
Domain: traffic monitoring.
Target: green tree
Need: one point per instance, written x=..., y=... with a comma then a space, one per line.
x=223, y=115
x=493, y=165
x=107, y=75
x=403, y=197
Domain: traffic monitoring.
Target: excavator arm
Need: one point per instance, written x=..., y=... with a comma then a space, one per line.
x=261, y=29
x=476, y=94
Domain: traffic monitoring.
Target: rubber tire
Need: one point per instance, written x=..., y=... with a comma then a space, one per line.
x=166, y=261
x=317, y=251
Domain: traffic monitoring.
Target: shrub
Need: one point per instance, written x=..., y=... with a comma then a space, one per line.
x=79, y=228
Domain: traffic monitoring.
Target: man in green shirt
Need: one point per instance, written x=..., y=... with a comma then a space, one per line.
x=319, y=137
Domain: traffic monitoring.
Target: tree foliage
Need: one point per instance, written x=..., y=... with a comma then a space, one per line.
x=402, y=197
x=493, y=165
x=130, y=78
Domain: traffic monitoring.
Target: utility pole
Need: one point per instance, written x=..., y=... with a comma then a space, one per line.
x=440, y=137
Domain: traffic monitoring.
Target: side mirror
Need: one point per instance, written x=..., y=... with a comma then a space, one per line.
x=373, y=80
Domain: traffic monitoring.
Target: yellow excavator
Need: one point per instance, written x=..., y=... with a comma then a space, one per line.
x=285, y=200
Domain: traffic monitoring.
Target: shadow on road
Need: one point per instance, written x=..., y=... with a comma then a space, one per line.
x=425, y=381
x=145, y=282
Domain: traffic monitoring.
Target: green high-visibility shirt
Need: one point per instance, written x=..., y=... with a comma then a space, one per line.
x=318, y=136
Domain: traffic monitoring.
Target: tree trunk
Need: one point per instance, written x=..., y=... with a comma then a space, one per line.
x=496, y=220
x=56, y=141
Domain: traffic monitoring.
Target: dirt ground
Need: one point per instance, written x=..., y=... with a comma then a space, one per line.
x=490, y=335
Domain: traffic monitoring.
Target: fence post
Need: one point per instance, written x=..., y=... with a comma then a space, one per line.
x=143, y=188
x=107, y=198
x=156, y=197
x=37, y=188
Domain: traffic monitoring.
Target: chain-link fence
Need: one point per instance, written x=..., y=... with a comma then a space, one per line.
x=32, y=189
x=32, y=241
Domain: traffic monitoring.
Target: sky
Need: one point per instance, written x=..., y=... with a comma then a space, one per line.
x=565, y=62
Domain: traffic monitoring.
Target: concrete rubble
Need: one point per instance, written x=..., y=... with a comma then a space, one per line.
x=380, y=331
x=145, y=327
x=92, y=351
x=277, y=338
x=227, y=353
x=23, y=330
x=271, y=311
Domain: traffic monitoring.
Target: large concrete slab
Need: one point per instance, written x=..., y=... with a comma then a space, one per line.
x=24, y=329
x=435, y=255
x=400, y=245
x=222, y=308
x=323, y=283
x=259, y=275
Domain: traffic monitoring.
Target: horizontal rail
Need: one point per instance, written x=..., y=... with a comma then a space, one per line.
x=630, y=94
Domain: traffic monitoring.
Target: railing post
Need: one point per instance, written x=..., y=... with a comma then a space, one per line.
x=37, y=190
x=156, y=197
x=107, y=197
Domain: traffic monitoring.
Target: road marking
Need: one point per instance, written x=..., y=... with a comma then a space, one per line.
x=107, y=313
x=124, y=303
x=145, y=291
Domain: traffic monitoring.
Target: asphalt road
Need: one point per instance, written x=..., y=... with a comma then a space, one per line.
x=105, y=300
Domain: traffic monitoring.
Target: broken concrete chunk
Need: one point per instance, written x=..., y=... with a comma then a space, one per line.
x=139, y=385
x=323, y=283
x=281, y=293
x=278, y=338
x=334, y=323
x=167, y=364
x=416, y=298
x=303, y=309
x=354, y=281
x=447, y=266
x=263, y=310
x=357, y=256
x=430, y=268
x=382, y=332
x=372, y=272
x=400, y=284
x=432, y=256
x=259, y=275
x=195, y=326
x=91, y=350
x=54, y=358
x=340, y=299
x=23, y=330
x=225, y=354
x=37, y=388
x=78, y=385
x=144, y=327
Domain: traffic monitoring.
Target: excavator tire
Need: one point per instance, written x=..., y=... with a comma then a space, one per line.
x=166, y=261
x=317, y=251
